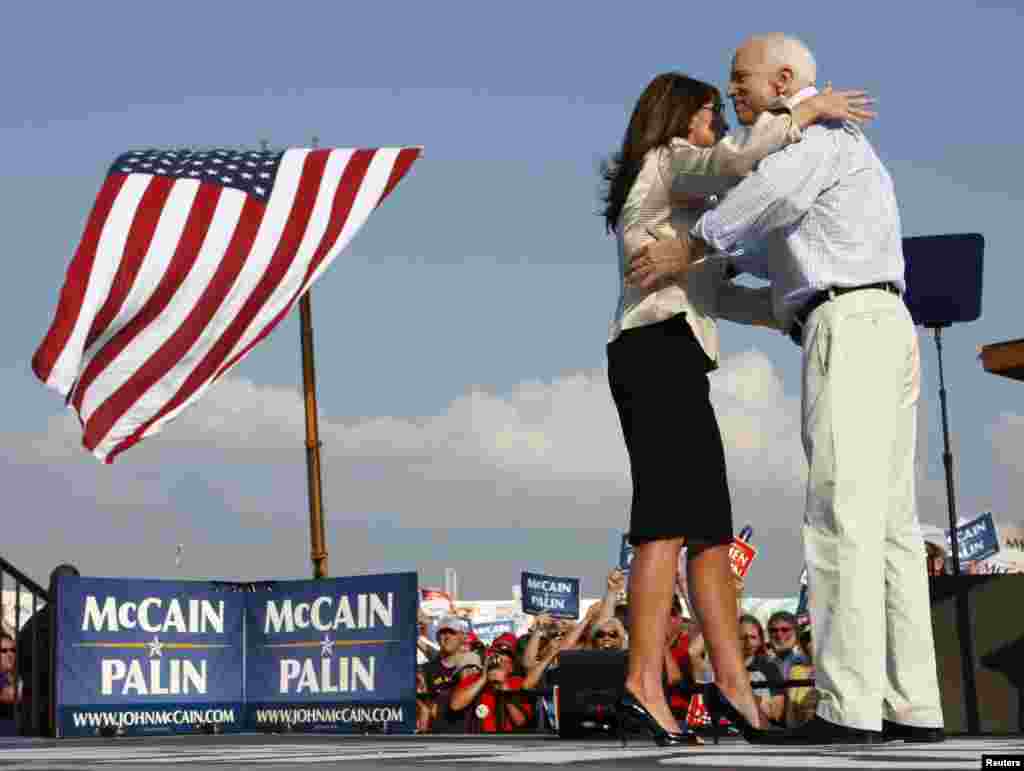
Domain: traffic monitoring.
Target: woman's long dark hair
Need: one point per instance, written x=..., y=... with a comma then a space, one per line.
x=663, y=111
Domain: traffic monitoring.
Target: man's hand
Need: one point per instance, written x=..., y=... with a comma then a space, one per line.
x=659, y=263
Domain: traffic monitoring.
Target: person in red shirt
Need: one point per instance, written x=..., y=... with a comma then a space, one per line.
x=479, y=691
x=678, y=671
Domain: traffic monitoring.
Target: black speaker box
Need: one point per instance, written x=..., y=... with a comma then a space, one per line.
x=997, y=625
x=586, y=681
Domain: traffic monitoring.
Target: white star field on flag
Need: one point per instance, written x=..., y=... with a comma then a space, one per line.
x=211, y=165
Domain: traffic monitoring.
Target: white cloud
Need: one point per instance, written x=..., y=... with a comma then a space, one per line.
x=547, y=456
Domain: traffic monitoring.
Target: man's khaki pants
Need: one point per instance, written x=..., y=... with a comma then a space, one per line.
x=874, y=653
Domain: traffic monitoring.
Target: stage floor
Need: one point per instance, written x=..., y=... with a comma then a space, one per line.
x=272, y=752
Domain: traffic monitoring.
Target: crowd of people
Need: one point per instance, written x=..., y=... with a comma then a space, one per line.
x=459, y=677
x=464, y=685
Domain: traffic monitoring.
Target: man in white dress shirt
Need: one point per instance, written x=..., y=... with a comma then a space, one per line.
x=819, y=219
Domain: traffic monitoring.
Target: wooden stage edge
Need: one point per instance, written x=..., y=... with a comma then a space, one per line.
x=1005, y=359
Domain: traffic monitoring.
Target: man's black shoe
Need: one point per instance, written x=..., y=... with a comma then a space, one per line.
x=817, y=730
x=909, y=733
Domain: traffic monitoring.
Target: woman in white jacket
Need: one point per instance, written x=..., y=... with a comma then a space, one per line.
x=662, y=343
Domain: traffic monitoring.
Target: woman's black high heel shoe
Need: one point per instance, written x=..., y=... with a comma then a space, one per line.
x=629, y=708
x=719, y=707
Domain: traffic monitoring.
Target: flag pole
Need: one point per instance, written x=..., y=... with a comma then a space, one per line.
x=317, y=542
x=318, y=548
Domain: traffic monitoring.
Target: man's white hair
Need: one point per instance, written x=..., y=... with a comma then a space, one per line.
x=784, y=50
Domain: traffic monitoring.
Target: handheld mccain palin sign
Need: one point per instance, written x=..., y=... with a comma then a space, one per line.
x=147, y=656
x=559, y=597
x=742, y=552
x=977, y=539
x=333, y=654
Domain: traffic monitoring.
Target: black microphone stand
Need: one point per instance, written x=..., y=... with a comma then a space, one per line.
x=963, y=606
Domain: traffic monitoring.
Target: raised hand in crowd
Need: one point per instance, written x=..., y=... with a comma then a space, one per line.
x=617, y=581
x=541, y=636
x=535, y=672
x=578, y=633
x=616, y=585
x=469, y=686
x=564, y=641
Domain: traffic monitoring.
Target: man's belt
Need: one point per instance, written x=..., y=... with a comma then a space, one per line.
x=796, y=331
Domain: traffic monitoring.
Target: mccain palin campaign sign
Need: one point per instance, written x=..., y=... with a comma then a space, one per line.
x=147, y=656
x=559, y=597
x=976, y=540
x=336, y=654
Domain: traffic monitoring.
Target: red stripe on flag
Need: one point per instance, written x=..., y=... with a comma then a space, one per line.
x=140, y=235
x=77, y=281
x=348, y=188
x=284, y=254
x=196, y=226
x=406, y=157
x=171, y=352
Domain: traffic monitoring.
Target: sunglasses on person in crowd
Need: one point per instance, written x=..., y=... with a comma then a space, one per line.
x=779, y=630
x=608, y=635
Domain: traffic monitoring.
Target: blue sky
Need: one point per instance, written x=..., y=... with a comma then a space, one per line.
x=460, y=338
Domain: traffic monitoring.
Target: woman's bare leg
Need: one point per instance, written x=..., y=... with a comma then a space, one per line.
x=713, y=596
x=652, y=576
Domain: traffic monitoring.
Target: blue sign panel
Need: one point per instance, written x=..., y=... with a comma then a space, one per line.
x=559, y=597
x=977, y=539
x=489, y=631
x=334, y=655
x=147, y=657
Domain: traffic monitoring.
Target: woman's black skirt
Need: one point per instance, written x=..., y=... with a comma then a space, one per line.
x=658, y=378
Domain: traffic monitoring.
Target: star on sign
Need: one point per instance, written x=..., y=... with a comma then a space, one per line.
x=326, y=647
x=156, y=648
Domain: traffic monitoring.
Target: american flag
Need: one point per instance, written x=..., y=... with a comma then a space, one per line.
x=188, y=260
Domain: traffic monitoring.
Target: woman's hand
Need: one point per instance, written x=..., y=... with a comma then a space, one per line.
x=853, y=106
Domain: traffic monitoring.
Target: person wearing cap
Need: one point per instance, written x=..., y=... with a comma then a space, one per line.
x=443, y=672
x=782, y=629
x=485, y=695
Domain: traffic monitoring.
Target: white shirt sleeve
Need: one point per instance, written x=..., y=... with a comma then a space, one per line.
x=781, y=190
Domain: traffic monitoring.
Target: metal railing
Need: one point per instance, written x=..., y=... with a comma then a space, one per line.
x=26, y=679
